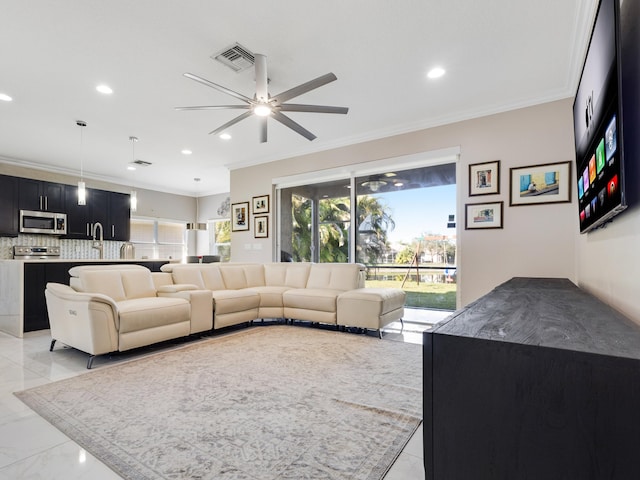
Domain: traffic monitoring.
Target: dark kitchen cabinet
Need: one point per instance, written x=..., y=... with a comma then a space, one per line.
x=100, y=204
x=9, y=210
x=78, y=216
x=39, y=195
x=35, y=306
x=119, y=226
x=110, y=209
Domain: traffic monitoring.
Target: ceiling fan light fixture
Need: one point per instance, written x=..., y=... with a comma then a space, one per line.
x=262, y=110
x=374, y=185
x=436, y=72
x=105, y=89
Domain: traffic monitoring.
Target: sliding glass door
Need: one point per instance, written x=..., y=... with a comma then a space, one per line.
x=400, y=224
x=315, y=222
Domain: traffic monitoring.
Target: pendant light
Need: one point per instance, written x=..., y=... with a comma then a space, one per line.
x=134, y=194
x=197, y=225
x=82, y=190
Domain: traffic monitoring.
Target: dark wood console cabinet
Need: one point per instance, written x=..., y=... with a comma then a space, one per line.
x=536, y=380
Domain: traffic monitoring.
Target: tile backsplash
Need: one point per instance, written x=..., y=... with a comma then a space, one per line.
x=71, y=249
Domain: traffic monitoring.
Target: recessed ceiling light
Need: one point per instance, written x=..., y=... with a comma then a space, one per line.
x=131, y=167
x=186, y=152
x=225, y=136
x=5, y=98
x=106, y=89
x=436, y=72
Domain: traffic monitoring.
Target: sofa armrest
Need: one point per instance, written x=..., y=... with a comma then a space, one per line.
x=201, y=305
x=177, y=287
x=86, y=321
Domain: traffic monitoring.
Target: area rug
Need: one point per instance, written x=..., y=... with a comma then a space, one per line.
x=277, y=402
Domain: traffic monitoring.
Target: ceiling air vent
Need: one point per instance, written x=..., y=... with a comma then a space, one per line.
x=141, y=163
x=236, y=57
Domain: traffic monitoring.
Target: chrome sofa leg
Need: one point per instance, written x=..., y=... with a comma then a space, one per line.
x=380, y=333
x=401, y=325
x=53, y=342
x=90, y=361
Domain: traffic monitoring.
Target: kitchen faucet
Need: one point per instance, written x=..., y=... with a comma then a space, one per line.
x=98, y=244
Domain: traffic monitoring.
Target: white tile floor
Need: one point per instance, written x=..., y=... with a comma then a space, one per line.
x=30, y=448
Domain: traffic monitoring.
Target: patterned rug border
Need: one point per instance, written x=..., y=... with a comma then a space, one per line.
x=119, y=460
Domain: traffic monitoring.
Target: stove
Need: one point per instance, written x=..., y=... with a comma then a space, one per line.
x=23, y=252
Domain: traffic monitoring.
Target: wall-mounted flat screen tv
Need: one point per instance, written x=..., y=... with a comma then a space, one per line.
x=606, y=116
x=598, y=125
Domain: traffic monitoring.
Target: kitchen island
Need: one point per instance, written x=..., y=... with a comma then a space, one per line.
x=22, y=284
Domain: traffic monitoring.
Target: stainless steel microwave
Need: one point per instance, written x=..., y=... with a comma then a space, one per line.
x=43, y=222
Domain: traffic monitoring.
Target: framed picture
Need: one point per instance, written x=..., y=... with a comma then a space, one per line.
x=240, y=216
x=261, y=204
x=483, y=215
x=484, y=178
x=261, y=227
x=538, y=184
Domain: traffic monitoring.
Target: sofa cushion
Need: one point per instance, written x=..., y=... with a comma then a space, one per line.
x=229, y=301
x=144, y=313
x=323, y=299
x=189, y=275
x=293, y=275
x=343, y=276
x=212, y=277
x=106, y=282
x=254, y=275
x=270, y=296
x=138, y=284
x=234, y=277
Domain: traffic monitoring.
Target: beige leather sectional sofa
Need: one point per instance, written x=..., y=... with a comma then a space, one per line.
x=116, y=308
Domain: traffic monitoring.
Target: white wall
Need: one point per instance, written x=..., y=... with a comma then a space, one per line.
x=608, y=263
x=536, y=240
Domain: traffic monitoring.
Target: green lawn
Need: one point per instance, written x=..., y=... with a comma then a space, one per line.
x=426, y=295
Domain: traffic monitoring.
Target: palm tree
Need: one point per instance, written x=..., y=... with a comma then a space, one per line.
x=334, y=220
x=374, y=221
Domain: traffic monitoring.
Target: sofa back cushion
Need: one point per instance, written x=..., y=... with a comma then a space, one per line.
x=212, y=277
x=286, y=274
x=106, y=282
x=336, y=276
x=137, y=284
x=188, y=274
x=254, y=275
x=234, y=277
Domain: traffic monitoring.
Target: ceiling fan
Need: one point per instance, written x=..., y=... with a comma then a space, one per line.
x=264, y=106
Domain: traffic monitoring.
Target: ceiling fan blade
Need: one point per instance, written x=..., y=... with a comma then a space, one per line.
x=293, y=107
x=230, y=123
x=283, y=119
x=262, y=95
x=215, y=107
x=215, y=86
x=305, y=87
x=263, y=129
